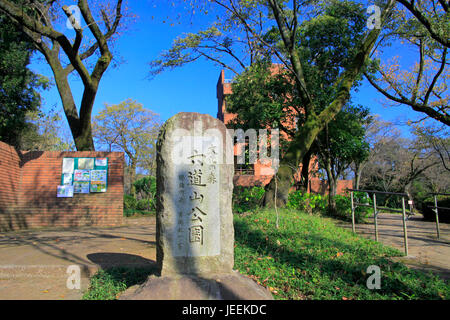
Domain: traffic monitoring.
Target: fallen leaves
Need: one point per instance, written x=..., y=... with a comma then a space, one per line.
x=339, y=254
x=273, y=290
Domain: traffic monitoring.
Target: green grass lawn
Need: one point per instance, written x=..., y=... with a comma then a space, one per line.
x=107, y=284
x=307, y=257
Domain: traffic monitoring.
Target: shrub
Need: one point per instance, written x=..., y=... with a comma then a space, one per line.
x=146, y=186
x=129, y=202
x=317, y=203
x=145, y=205
x=344, y=206
x=128, y=212
x=246, y=198
x=428, y=213
x=307, y=202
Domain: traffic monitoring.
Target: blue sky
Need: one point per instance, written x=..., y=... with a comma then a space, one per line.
x=191, y=88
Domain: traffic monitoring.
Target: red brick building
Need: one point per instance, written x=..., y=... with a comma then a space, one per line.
x=256, y=174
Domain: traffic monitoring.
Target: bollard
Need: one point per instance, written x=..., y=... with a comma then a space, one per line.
x=437, y=217
x=405, y=232
x=375, y=213
x=353, y=213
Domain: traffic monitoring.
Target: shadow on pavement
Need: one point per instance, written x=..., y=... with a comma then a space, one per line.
x=111, y=259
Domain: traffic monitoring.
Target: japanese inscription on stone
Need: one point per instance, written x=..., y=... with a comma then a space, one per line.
x=197, y=192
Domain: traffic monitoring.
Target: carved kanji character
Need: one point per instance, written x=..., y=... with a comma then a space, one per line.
x=196, y=214
x=196, y=234
x=197, y=196
x=195, y=178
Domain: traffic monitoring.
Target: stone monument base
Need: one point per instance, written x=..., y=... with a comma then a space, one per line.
x=230, y=286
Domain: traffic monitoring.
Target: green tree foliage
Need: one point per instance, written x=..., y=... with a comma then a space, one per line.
x=436, y=140
x=146, y=189
x=418, y=81
x=271, y=29
x=193, y=46
x=85, y=50
x=409, y=166
x=246, y=199
x=434, y=16
x=227, y=42
x=263, y=98
x=132, y=129
x=326, y=45
x=18, y=85
x=46, y=132
x=341, y=144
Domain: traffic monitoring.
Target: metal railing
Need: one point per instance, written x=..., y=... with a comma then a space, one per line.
x=244, y=172
x=436, y=210
x=354, y=205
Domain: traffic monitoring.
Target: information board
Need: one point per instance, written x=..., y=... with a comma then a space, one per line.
x=83, y=175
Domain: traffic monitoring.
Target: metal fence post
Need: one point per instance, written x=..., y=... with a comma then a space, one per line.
x=437, y=216
x=353, y=213
x=375, y=213
x=405, y=233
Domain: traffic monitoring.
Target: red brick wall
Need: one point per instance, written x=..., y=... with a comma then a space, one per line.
x=315, y=185
x=28, y=182
x=9, y=176
x=319, y=186
x=251, y=180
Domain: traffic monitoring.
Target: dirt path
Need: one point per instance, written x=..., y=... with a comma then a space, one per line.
x=33, y=264
x=426, y=252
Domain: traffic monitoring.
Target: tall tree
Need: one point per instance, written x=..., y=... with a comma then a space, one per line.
x=226, y=43
x=434, y=17
x=422, y=27
x=284, y=19
x=46, y=132
x=436, y=140
x=130, y=128
x=18, y=85
x=340, y=144
x=378, y=133
x=396, y=163
x=88, y=56
x=316, y=118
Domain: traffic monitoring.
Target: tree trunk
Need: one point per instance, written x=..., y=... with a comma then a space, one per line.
x=132, y=177
x=314, y=123
x=281, y=188
x=305, y=172
x=80, y=127
x=85, y=139
x=407, y=190
x=332, y=187
x=357, y=178
x=290, y=161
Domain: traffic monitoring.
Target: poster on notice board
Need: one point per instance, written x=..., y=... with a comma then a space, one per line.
x=83, y=175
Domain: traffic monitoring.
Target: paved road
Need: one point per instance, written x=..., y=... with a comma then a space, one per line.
x=426, y=252
x=33, y=264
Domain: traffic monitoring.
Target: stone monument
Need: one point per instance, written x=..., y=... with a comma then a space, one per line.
x=194, y=224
